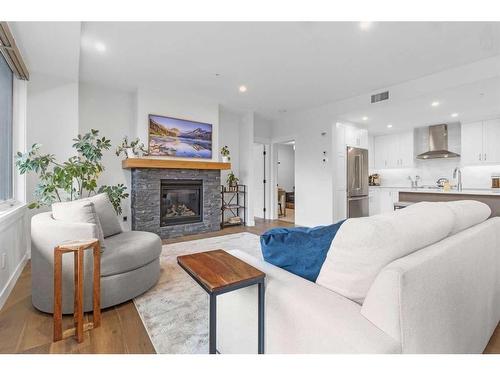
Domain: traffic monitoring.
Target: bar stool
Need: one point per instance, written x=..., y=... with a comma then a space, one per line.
x=77, y=248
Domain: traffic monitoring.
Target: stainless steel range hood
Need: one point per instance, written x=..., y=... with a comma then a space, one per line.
x=438, y=144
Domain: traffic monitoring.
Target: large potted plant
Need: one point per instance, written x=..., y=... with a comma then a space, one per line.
x=71, y=179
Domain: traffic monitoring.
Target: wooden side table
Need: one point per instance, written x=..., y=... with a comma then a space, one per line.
x=219, y=272
x=77, y=248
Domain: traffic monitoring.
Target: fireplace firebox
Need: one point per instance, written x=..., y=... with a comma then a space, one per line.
x=181, y=202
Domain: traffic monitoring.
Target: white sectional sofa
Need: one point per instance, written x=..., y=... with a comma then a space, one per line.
x=442, y=298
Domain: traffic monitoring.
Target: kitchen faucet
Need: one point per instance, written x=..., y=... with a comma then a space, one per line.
x=414, y=183
x=458, y=172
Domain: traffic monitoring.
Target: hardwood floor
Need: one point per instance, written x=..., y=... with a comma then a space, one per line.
x=23, y=329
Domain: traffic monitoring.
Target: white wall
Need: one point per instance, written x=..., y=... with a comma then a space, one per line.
x=175, y=104
x=13, y=249
x=312, y=132
x=263, y=128
x=112, y=112
x=247, y=169
x=52, y=118
x=286, y=167
x=229, y=130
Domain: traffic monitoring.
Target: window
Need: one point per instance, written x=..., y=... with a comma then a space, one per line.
x=6, y=140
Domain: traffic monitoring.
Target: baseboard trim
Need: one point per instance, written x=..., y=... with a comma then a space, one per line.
x=4, y=294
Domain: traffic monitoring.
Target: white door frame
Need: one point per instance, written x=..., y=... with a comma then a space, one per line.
x=273, y=201
x=267, y=175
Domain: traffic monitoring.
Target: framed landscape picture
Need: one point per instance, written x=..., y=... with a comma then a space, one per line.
x=170, y=136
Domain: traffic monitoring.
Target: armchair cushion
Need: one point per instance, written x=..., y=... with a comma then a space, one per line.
x=79, y=211
x=107, y=214
x=129, y=250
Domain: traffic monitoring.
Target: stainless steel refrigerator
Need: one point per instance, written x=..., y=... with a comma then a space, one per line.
x=357, y=182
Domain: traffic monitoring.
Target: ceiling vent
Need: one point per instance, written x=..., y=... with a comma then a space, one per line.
x=380, y=97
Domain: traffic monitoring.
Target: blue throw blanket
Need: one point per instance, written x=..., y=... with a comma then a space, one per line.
x=300, y=250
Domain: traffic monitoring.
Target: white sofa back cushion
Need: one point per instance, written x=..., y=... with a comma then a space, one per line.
x=107, y=214
x=363, y=246
x=468, y=213
x=79, y=211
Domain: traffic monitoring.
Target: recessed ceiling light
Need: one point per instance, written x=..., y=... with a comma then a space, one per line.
x=435, y=103
x=243, y=88
x=454, y=115
x=364, y=118
x=365, y=25
x=100, y=46
x=389, y=126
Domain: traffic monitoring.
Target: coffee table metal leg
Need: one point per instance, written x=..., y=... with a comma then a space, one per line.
x=261, y=317
x=212, y=330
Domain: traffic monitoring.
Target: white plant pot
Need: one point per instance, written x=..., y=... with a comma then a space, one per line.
x=130, y=153
x=225, y=159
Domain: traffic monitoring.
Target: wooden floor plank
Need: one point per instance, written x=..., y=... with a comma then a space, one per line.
x=23, y=329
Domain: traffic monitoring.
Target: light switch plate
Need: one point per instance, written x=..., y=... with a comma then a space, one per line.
x=3, y=260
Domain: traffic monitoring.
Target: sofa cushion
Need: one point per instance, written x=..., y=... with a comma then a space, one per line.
x=363, y=246
x=127, y=251
x=78, y=211
x=107, y=214
x=300, y=251
x=468, y=213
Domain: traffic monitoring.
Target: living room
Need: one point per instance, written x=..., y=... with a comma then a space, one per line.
x=240, y=187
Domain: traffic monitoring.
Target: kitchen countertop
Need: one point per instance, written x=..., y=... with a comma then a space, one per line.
x=462, y=192
x=465, y=191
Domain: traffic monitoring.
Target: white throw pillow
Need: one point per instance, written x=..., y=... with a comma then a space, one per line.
x=107, y=214
x=468, y=213
x=363, y=246
x=79, y=211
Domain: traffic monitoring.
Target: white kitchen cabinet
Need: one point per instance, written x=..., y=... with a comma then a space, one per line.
x=356, y=137
x=480, y=142
x=394, y=151
x=374, y=201
x=387, y=198
x=472, y=143
x=491, y=141
x=381, y=144
x=405, y=150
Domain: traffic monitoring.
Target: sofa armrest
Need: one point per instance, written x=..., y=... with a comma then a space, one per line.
x=300, y=317
x=444, y=298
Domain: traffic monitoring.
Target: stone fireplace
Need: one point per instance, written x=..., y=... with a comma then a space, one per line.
x=173, y=202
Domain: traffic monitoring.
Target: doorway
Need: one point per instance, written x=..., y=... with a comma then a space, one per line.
x=286, y=181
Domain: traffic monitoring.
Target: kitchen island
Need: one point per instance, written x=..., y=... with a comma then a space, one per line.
x=490, y=197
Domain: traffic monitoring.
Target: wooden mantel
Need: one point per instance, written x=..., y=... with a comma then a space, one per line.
x=172, y=164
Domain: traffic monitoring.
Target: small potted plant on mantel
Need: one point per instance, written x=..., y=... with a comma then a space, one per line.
x=232, y=181
x=224, y=151
x=132, y=149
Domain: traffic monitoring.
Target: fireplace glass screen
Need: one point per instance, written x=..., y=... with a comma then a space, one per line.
x=181, y=202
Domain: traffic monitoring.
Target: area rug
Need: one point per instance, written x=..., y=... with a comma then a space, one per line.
x=175, y=311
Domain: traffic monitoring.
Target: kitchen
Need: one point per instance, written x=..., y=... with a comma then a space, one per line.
x=439, y=154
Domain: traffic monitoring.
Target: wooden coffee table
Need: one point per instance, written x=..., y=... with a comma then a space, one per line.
x=219, y=272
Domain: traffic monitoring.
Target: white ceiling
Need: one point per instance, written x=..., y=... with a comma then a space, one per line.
x=473, y=101
x=286, y=66
x=51, y=48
